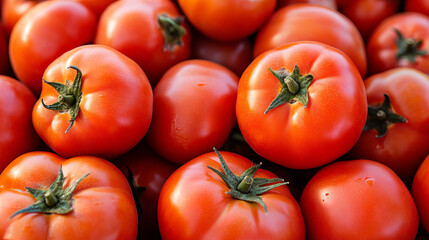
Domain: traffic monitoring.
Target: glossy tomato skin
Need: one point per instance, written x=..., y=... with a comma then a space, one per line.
x=115, y=109
x=327, y=3
x=294, y=136
x=420, y=191
x=421, y=6
x=17, y=132
x=227, y=20
x=193, y=205
x=404, y=146
x=367, y=14
x=236, y=55
x=194, y=110
x=308, y=22
x=149, y=173
x=358, y=199
x=44, y=33
x=132, y=28
x=381, y=47
x=103, y=206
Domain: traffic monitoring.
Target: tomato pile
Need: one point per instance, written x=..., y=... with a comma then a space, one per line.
x=214, y=119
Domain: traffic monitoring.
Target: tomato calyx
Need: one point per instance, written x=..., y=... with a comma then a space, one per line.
x=54, y=200
x=136, y=190
x=69, y=97
x=380, y=117
x=408, y=48
x=294, y=87
x=172, y=31
x=246, y=187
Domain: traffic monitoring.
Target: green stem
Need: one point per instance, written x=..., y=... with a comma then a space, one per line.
x=171, y=30
x=245, y=184
x=50, y=198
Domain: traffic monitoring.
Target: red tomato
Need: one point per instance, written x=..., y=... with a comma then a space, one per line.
x=151, y=32
x=196, y=204
x=401, y=40
x=358, y=199
x=17, y=132
x=101, y=206
x=43, y=34
x=404, y=144
x=367, y=14
x=230, y=20
x=307, y=22
x=421, y=6
x=146, y=172
x=105, y=111
x=313, y=116
x=420, y=190
x=327, y=3
x=194, y=110
x=235, y=55
x=13, y=10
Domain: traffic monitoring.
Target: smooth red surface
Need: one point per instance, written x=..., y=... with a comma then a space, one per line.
x=358, y=199
x=420, y=190
x=194, y=110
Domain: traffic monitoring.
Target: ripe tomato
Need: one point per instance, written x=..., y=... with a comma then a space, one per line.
x=43, y=34
x=194, y=110
x=13, y=10
x=421, y=6
x=235, y=55
x=367, y=14
x=420, y=191
x=101, y=206
x=401, y=40
x=17, y=132
x=196, y=204
x=146, y=172
x=313, y=116
x=307, y=22
x=358, y=199
x=400, y=145
x=152, y=33
x=230, y=20
x=105, y=111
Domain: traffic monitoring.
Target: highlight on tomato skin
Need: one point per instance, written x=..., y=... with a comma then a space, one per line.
x=358, y=199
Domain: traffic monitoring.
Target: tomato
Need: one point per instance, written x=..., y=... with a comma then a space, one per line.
x=313, y=116
x=5, y=68
x=420, y=191
x=195, y=203
x=307, y=22
x=152, y=33
x=100, y=206
x=358, y=199
x=401, y=40
x=146, y=172
x=13, y=10
x=105, y=105
x=398, y=140
x=194, y=110
x=421, y=6
x=227, y=20
x=17, y=132
x=367, y=14
x=43, y=34
x=236, y=55
x=327, y=3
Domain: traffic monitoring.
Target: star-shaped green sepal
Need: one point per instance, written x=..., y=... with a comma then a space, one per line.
x=408, y=48
x=380, y=117
x=54, y=200
x=171, y=30
x=246, y=187
x=69, y=96
x=294, y=87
